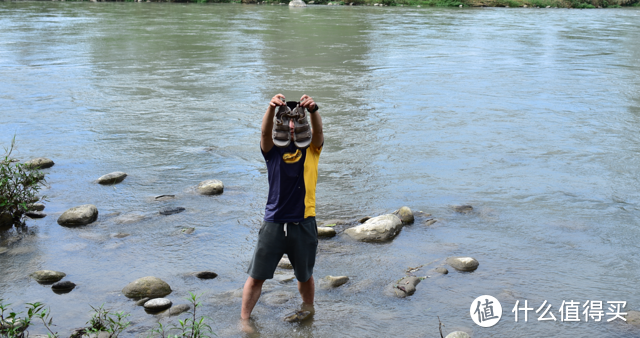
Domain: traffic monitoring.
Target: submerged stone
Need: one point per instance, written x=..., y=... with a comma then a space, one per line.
x=171, y=211
x=39, y=163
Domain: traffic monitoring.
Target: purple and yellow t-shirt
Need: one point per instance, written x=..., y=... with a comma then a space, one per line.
x=293, y=174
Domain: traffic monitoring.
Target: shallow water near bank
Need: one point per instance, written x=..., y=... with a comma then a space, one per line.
x=529, y=115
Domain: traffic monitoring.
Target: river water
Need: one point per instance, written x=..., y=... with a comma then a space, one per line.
x=529, y=115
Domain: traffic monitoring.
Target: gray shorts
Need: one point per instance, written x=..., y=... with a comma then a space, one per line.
x=300, y=245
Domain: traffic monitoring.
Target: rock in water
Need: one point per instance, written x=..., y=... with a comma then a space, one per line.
x=176, y=310
x=157, y=304
x=378, y=229
x=337, y=280
x=171, y=211
x=63, y=287
x=297, y=3
x=211, y=187
x=164, y=197
x=457, y=334
x=81, y=215
x=206, y=275
x=112, y=178
x=35, y=214
x=47, y=276
x=326, y=232
x=405, y=287
x=405, y=215
x=37, y=206
x=39, y=163
x=463, y=263
x=463, y=209
x=152, y=287
x=442, y=270
x=633, y=318
x=142, y=301
x=285, y=263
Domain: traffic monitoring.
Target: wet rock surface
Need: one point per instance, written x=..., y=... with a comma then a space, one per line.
x=176, y=310
x=80, y=215
x=405, y=287
x=39, y=163
x=458, y=334
x=171, y=210
x=152, y=287
x=463, y=263
x=35, y=214
x=326, y=232
x=335, y=281
x=405, y=215
x=63, y=287
x=112, y=178
x=378, y=229
x=633, y=317
x=211, y=187
x=164, y=197
x=442, y=270
x=157, y=304
x=47, y=276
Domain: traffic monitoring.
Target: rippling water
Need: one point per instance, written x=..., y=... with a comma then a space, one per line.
x=529, y=115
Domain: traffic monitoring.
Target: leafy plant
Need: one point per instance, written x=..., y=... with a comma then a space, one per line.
x=191, y=327
x=19, y=185
x=103, y=321
x=13, y=326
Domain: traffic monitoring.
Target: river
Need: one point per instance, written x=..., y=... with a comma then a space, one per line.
x=529, y=115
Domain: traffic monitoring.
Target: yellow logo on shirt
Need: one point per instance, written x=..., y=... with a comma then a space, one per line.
x=292, y=157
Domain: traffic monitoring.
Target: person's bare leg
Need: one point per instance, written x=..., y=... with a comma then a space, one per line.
x=250, y=295
x=307, y=291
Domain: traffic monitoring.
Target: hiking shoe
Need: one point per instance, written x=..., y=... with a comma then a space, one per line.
x=281, y=132
x=302, y=130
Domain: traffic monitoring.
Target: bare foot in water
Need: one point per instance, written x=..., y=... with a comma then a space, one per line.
x=249, y=328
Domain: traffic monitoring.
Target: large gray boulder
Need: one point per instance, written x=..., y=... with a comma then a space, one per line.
x=112, y=178
x=81, y=215
x=297, y=3
x=152, y=287
x=211, y=187
x=405, y=215
x=378, y=229
x=47, y=276
x=463, y=263
x=39, y=163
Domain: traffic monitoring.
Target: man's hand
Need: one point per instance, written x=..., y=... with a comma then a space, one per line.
x=277, y=100
x=307, y=102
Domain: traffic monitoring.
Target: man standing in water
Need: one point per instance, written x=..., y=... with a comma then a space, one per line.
x=289, y=224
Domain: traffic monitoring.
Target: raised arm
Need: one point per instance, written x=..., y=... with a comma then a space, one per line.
x=266, y=140
x=317, y=136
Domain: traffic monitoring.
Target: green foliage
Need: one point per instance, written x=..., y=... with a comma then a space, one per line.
x=190, y=327
x=19, y=185
x=14, y=326
x=103, y=321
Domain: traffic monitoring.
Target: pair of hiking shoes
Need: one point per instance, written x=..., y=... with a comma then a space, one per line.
x=292, y=111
